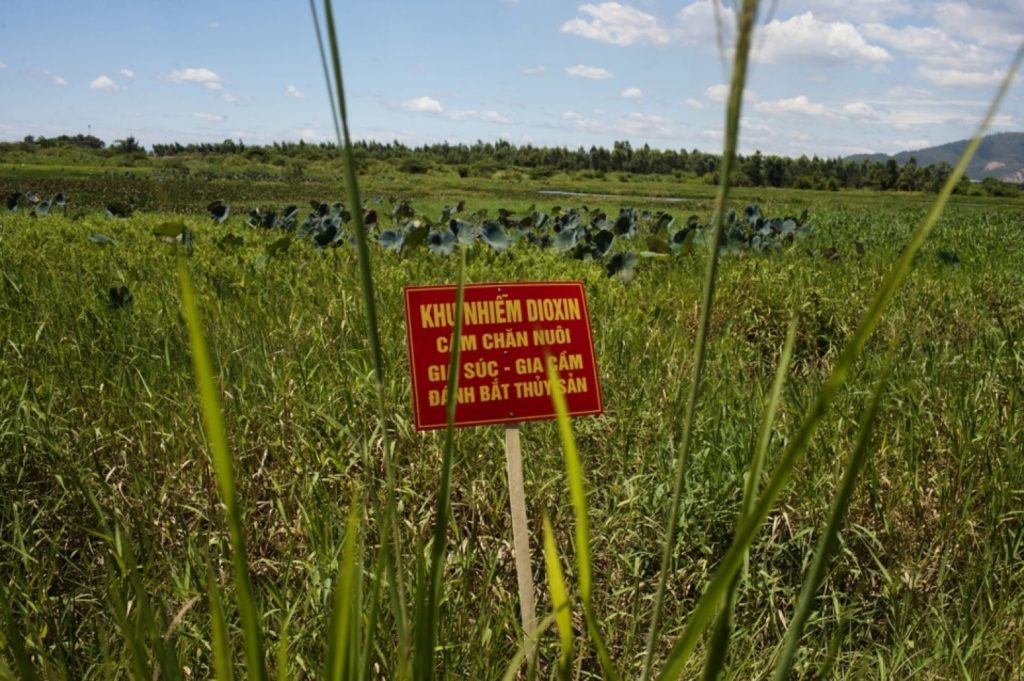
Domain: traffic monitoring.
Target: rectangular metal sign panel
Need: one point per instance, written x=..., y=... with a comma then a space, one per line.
x=507, y=328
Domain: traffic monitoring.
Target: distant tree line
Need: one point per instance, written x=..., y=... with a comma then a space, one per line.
x=484, y=158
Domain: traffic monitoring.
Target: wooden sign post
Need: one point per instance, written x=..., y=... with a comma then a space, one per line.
x=520, y=531
x=508, y=329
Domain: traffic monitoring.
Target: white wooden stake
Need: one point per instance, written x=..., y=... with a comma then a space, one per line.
x=520, y=533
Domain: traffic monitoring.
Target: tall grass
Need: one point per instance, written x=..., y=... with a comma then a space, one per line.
x=746, y=18
x=360, y=631
x=223, y=467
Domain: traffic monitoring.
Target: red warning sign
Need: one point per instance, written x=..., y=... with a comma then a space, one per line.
x=507, y=330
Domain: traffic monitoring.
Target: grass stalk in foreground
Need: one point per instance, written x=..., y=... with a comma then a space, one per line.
x=526, y=646
x=798, y=445
x=744, y=34
x=559, y=599
x=220, y=648
x=577, y=494
x=216, y=435
x=428, y=619
x=341, y=655
x=390, y=525
x=718, y=646
x=829, y=541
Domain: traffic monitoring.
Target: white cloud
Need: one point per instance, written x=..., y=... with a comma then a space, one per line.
x=2, y=66
x=960, y=78
x=904, y=119
x=720, y=94
x=200, y=76
x=209, y=117
x=993, y=22
x=104, y=84
x=908, y=92
x=229, y=98
x=855, y=10
x=695, y=104
x=591, y=72
x=535, y=70
x=313, y=133
x=127, y=73
x=53, y=78
x=799, y=105
x=804, y=38
x=632, y=93
x=292, y=91
x=423, y=104
x=617, y=24
x=214, y=24
x=635, y=125
x=642, y=124
x=910, y=145
x=485, y=116
x=700, y=22
x=931, y=45
x=859, y=110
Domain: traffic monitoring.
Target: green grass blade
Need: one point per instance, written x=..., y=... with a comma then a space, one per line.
x=218, y=629
x=216, y=435
x=164, y=652
x=718, y=646
x=716, y=590
x=282, y=652
x=528, y=644
x=367, y=648
x=137, y=658
x=559, y=599
x=828, y=542
x=339, y=645
x=429, y=619
x=574, y=472
x=578, y=496
x=771, y=411
x=390, y=525
x=745, y=28
x=16, y=640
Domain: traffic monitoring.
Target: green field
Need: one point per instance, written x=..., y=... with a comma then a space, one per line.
x=97, y=399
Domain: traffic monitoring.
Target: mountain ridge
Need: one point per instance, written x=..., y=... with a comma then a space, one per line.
x=1000, y=155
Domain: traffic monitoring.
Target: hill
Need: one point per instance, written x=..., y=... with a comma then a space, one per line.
x=1000, y=155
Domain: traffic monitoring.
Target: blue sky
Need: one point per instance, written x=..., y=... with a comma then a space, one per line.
x=830, y=77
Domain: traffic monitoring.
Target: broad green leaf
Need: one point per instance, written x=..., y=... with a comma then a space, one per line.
x=495, y=237
x=441, y=243
x=623, y=265
x=392, y=239
x=101, y=239
x=566, y=239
